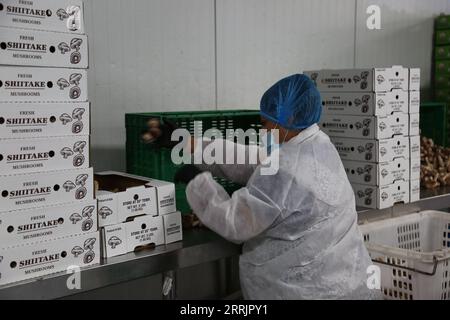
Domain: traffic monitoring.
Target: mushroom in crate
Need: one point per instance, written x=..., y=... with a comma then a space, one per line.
x=435, y=164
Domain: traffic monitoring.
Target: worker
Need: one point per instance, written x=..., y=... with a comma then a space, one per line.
x=299, y=225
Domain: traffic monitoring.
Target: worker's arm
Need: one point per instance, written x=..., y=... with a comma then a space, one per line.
x=236, y=163
x=244, y=215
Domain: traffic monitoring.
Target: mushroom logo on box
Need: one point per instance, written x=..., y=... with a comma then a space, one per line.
x=104, y=212
x=79, y=185
x=77, y=115
x=114, y=241
x=73, y=16
x=75, y=44
x=87, y=224
x=74, y=79
x=88, y=250
x=76, y=151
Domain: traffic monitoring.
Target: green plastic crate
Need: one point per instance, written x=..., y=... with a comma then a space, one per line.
x=442, y=22
x=156, y=163
x=442, y=37
x=442, y=94
x=433, y=122
x=442, y=52
x=442, y=68
x=442, y=81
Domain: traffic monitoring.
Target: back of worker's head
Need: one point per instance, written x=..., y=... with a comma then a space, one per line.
x=293, y=103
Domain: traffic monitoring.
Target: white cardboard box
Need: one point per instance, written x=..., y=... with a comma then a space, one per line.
x=36, y=120
x=414, y=79
x=43, y=154
x=415, y=190
x=365, y=104
x=357, y=80
x=382, y=197
x=28, y=84
x=128, y=236
x=123, y=196
x=47, y=223
x=372, y=150
x=173, y=228
x=361, y=127
x=50, y=15
x=414, y=102
x=414, y=142
x=44, y=258
x=415, y=169
x=20, y=47
x=414, y=124
x=377, y=174
x=32, y=190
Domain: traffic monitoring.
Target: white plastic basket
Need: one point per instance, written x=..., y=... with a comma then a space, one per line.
x=413, y=253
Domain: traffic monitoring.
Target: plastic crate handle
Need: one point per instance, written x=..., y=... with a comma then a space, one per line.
x=435, y=264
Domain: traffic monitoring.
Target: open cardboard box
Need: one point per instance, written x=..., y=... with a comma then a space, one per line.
x=140, y=233
x=47, y=223
x=20, y=47
x=38, y=120
x=39, y=259
x=121, y=196
x=50, y=15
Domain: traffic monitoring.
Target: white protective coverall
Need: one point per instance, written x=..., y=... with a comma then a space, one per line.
x=299, y=226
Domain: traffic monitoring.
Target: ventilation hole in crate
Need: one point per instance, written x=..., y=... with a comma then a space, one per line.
x=409, y=277
x=390, y=292
x=395, y=293
x=411, y=297
x=394, y=272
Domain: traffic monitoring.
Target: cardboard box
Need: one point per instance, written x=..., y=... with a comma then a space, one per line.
x=415, y=190
x=47, y=223
x=365, y=104
x=414, y=124
x=173, y=228
x=377, y=174
x=414, y=143
x=20, y=47
x=414, y=79
x=414, y=101
x=44, y=258
x=373, y=151
x=442, y=37
x=122, y=197
x=33, y=190
x=361, y=80
x=50, y=15
x=381, y=197
x=37, y=120
x=415, y=169
x=29, y=84
x=130, y=236
x=365, y=127
x=43, y=154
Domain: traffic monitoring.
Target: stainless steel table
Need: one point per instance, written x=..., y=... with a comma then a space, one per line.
x=198, y=246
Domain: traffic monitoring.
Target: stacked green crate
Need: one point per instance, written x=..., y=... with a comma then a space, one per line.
x=442, y=61
x=155, y=163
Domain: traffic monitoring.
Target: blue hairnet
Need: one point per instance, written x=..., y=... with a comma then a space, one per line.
x=292, y=102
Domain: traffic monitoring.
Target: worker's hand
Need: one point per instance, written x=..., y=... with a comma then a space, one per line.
x=186, y=173
x=159, y=132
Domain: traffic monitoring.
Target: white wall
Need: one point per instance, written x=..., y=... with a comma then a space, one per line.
x=166, y=55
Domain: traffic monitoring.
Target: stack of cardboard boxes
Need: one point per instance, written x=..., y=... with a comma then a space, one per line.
x=372, y=117
x=134, y=213
x=47, y=207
